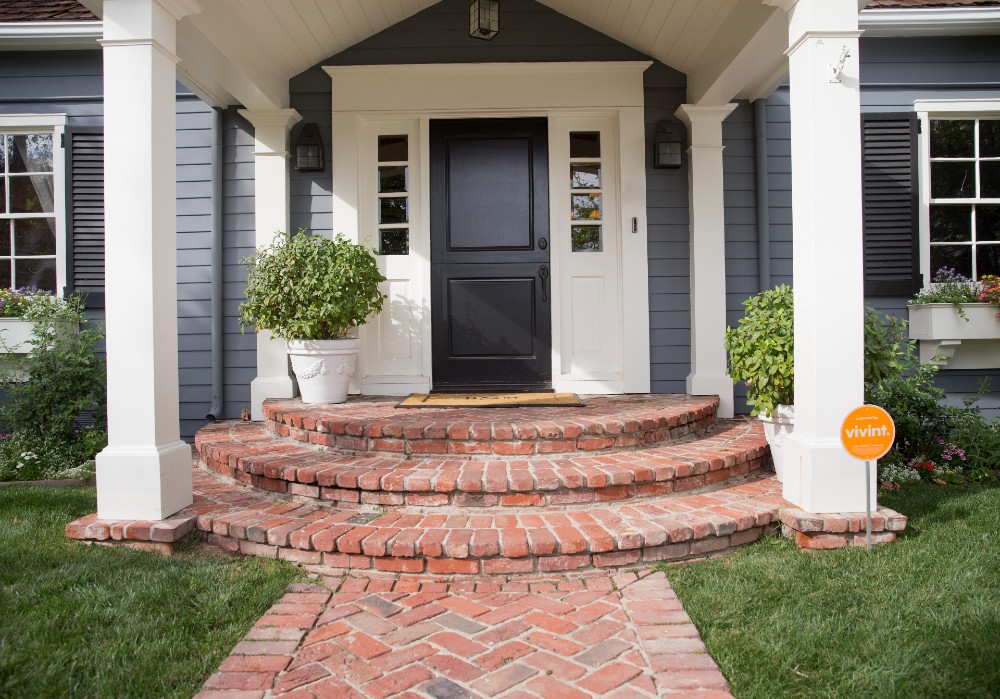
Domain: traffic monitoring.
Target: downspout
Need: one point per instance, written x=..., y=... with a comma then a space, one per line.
x=762, y=186
x=218, y=356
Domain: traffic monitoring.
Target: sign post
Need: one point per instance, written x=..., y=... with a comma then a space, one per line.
x=868, y=433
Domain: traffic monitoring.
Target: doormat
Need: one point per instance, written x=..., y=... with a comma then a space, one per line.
x=490, y=400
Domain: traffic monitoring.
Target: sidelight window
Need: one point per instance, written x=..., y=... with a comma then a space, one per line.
x=393, y=199
x=585, y=184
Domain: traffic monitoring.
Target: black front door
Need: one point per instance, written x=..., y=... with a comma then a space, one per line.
x=490, y=275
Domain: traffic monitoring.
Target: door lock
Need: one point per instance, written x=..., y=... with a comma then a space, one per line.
x=542, y=243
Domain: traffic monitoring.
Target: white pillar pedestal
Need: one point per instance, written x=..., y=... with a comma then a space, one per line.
x=271, y=197
x=827, y=249
x=708, y=254
x=145, y=471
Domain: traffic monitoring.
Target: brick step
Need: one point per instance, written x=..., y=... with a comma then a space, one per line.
x=374, y=424
x=413, y=540
x=251, y=454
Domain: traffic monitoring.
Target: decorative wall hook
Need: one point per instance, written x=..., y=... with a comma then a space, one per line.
x=838, y=68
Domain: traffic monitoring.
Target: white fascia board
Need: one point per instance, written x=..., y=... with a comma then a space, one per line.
x=932, y=21
x=37, y=36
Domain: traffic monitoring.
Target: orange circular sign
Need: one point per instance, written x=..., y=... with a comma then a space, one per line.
x=868, y=432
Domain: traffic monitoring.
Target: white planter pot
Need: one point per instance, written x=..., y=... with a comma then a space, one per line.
x=778, y=427
x=948, y=339
x=323, y=368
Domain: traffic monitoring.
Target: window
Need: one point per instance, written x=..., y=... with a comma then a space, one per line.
x=965, y=196
x=960, y=181
x=585, y=190
x=393, y=203
x=32, y=226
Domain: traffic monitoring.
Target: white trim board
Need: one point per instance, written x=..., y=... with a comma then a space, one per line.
x=412, y=95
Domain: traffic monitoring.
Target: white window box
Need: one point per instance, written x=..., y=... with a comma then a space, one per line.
x=948, y=339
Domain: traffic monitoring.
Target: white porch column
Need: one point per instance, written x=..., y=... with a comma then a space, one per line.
x=827, y=250
x=708, y=254
x=145, y=471
x=274, y=379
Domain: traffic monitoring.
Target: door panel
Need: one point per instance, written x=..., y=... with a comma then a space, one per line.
x=490, y=295
x=490, y=179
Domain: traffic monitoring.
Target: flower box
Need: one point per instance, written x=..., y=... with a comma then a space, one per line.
x=16, y=335
x=948, y=339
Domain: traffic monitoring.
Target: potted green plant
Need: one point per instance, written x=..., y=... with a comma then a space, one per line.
x=762, y=354
x=311, y=290
x=956, y=321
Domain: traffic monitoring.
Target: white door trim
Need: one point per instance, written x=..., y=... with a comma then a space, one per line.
x=364, y=95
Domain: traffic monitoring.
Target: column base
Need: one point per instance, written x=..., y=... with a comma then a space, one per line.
x=145, y=483
x=264, y=387
x=713, y=385
x=821, y=477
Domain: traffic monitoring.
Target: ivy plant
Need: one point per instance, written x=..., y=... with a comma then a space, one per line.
x=762, y=349
x=310, y=287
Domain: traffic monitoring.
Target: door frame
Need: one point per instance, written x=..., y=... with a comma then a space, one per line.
x=369, y=97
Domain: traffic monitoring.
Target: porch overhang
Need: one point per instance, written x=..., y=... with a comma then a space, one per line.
x=236, y=53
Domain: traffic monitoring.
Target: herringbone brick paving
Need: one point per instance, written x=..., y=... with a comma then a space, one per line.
x=352, y=636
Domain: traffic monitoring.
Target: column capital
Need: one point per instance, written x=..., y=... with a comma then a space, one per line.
x=689, y=113
x=262, y=119
x=704, y=124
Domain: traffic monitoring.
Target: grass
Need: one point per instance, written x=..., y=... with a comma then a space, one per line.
x=917, y=618
x=78, y=621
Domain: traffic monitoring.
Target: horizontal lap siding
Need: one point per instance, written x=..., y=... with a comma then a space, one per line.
x=194, y=272
x=240, y=349
x=894, y=73
x=739, y=184
x=668, y=231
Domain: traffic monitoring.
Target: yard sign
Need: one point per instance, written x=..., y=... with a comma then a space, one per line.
x=868, y=433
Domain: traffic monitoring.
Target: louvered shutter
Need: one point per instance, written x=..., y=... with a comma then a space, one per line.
x=889, y=193
x=85, y=212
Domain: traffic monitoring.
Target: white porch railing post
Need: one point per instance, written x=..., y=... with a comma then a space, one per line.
x=708, y=254
x=145, y=471
x=271, y=207
x=827, y=249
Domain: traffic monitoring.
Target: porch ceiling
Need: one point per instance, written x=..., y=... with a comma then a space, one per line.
x=235, y=51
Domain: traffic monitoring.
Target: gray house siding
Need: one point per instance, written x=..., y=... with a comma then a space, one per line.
x=239, y=236
x=894, y=73
x=71, y=83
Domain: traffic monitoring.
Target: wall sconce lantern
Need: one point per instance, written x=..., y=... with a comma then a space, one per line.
x=309, y=154
x=668, y=146
x=484, y=19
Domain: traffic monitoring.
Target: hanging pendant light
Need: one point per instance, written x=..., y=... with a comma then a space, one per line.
x=484, y=19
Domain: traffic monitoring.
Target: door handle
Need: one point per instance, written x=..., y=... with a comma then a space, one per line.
x=543, y=272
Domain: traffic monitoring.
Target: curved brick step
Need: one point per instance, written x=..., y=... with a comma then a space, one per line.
x=410, y=540
x=250, y=453
x=374, y=424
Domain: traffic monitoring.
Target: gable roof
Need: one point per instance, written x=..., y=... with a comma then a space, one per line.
x=44, y=11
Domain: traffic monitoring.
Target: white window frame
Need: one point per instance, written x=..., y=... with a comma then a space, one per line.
x=941, y=109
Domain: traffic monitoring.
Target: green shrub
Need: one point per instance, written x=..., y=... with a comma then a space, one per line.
x=48, y=389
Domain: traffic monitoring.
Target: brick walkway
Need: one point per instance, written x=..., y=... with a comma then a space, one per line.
x=376, y=635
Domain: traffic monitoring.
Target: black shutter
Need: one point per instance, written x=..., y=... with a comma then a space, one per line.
x=85, y=212
x=889, y=193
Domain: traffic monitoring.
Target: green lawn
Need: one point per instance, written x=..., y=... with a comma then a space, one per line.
x=78, y=621
x=917, y=618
